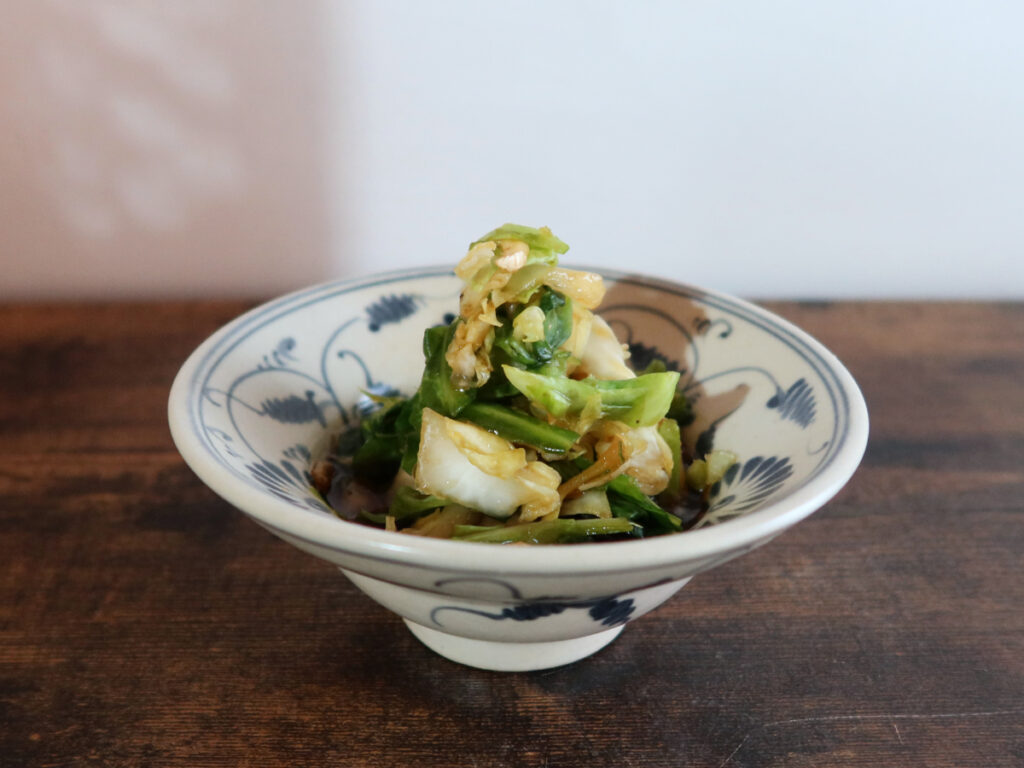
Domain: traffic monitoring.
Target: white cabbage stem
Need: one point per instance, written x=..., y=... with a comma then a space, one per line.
x=470, y=466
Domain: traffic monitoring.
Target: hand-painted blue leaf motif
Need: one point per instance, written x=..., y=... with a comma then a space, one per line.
x=282, y=353
x=611, y=612
x=280, y=356
x=391, y=309
x=299, y=452
x=796, y=403
x=746, y=485
x=224, y=438
x=274, y=479
x=293, y=409
x=286, y=481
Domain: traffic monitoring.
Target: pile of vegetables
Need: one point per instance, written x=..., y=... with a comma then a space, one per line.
x=528, y=425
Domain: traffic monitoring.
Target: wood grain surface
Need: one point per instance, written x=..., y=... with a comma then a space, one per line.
x=144, y=622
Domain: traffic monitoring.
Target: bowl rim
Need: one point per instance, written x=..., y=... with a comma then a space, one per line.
x=448, y=556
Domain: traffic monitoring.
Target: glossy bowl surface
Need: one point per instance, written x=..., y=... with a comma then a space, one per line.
x=266, y=395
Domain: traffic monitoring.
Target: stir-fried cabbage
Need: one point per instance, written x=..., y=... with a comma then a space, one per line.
x=477, y=469
x=529, y=425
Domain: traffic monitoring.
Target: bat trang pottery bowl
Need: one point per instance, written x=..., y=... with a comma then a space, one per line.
x=264, y=397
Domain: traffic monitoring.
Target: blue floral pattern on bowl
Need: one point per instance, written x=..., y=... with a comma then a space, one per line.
x=316, y=386
x=260, y=401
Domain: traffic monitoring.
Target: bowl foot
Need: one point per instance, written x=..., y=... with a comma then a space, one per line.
x=511, y=657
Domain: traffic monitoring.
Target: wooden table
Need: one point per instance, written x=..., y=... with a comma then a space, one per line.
x=144, y=622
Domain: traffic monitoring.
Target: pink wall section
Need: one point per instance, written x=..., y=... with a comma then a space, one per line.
x=164, y=148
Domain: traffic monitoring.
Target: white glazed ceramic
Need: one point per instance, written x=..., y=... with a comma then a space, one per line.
x=267, y=394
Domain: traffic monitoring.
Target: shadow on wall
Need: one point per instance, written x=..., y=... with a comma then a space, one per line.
x=165, y=149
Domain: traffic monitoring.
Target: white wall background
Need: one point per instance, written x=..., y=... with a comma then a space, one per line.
x=233, y=147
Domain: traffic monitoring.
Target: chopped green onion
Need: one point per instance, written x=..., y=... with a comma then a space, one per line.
x=518, y=427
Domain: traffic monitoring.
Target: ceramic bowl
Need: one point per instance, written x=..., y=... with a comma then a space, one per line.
x=263, y=398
